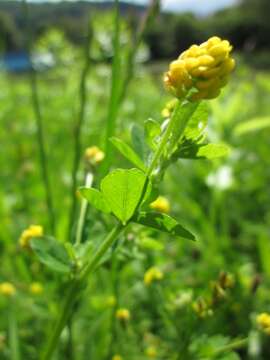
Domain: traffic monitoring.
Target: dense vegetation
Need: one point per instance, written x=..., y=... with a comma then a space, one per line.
x=154, y=295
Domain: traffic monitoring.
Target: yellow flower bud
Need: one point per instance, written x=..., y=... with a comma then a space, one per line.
x=211, y=61
x=123, y=314
x=161, y=204
x=117, y=357
x=36, y=288
x=94, y=155
x=263, y=321
x=169, y=108
x=151, y=352
x=31, y=232
x=152, y=274
x=7, y=289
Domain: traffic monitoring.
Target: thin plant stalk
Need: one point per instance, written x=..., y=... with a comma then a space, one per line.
x=148, y=17
x=83, y=211
x=119, y=88
x=89, y=268
x=13, y=332
x=43, y=159
x=114, y=91
x=78, y=133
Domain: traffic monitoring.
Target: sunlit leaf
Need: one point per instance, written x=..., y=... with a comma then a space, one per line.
x=95, y=198
x=164, y=223
x=128, y=153
x=122, y=190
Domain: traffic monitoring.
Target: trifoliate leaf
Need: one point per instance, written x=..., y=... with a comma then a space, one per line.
x=122, y=190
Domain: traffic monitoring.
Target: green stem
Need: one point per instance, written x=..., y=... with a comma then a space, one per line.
x=77, y=133
x=83, y=211
x=74, y=291
x=232, y=346
x=39, y=124
x=62, y=320
x=13, y=332
x=109, y=240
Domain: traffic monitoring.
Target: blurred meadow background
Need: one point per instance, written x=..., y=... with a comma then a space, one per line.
x=60, y=67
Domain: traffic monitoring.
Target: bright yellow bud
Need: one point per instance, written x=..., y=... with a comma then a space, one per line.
x=36, y=288
x=7, y=289
x=263, y=321
x=151, y=352
x=94, y=155
x=161, y=204
x=117, y=357
x=123, y=314
x=152, y=274
x=203, y=68
x=31, y=232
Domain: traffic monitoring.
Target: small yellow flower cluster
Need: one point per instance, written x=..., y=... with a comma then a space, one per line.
x=36, y=288
x=7, y=289
x=152, y=274
x=263, y=321
x=169, y=108
x=204, y=67
x=93, y=155
x=161, y=204
x=28, y=234
x=202, y=308
x=123, y=314
x=117, y=357
x=151, y=352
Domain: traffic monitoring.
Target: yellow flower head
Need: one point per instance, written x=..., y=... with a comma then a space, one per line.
x=151, y=352
x=117, y=357
x=169, y=108
x=152, y=274
x=201, y=308
x=205, y=68
x=123, y=314
x=36, y=288
x=161, y=204
x=7, y=289
x=263, y=321
x=28, y=234
x=94, y=155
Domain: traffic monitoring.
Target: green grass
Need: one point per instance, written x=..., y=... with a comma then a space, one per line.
x=231, y=221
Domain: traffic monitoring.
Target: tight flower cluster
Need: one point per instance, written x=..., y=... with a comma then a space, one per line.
x=31, y=232
x=204, y=68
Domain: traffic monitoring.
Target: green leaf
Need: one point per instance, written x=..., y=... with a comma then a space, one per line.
x=203, y=151
x=181, y=116
x=254, y=124
x=51, y=253
x=164, y=223
x=151, y=244
x=122, y=191
x=95, y=198
x=139, y=145
x=128, y=153
x=152, y=130
x=198, y=122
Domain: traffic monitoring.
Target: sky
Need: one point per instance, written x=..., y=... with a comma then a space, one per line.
x=201, y=7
